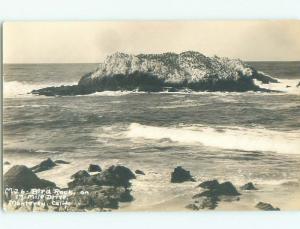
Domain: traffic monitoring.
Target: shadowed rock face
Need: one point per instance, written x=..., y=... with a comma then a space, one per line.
x=94, y=168
x=214, y=193
x=266, y=207
x=204, y=203
x=100, y=197
x=80, y=174
x=21, y=177
x=210, y=184
x=43, y=166
x=180, y=175
x=113, y=176
x=101, y=192
x=223, y=189
x=106, y=189
x=157, y=72
x=140, y=172
x=248, y=186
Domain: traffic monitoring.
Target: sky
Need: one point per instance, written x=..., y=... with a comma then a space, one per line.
x=91, y=42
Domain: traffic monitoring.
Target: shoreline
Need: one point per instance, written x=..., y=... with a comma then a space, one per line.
x=177, y=196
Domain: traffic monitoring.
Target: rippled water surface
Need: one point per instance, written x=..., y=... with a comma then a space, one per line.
x=239, y=137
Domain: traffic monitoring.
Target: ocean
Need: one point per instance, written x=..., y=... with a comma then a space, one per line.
x=237, y=137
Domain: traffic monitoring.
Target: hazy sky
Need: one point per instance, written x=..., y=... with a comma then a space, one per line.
x=80, y=42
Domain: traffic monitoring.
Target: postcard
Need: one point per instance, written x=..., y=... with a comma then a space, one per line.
x=151, y=116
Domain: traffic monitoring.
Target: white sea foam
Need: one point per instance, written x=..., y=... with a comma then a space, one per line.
x=22, y=106
x=114, y=93
x=231, y=138
x=285, y=85
x=17, y=89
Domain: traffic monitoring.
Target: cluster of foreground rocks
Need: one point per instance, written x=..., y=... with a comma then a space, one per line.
x=214, y=192
x=102, y=191
x=95, y=189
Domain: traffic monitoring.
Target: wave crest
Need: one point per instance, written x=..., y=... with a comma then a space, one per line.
x=284, y=85
x=230, y=138
x=17, y=89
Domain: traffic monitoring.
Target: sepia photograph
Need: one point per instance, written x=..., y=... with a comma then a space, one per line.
x=156, y=116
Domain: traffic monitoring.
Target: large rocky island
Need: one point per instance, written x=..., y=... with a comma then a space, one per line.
x=165, y=72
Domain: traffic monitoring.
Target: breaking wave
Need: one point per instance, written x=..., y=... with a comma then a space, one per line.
x=17, y=89
x=229, y=138
x=285, y=85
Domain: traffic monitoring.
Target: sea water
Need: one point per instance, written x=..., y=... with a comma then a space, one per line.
x=237, y=137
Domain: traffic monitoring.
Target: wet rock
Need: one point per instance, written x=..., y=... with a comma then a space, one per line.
x=266, y=207
x=99, y=197
x=61, y=162
x=210, y=184
x=6, y=163
x=43, y=166
x=80, y=199
x=227, y=189
x=223, y=189
x=248, y=186
x=204, y=203
x=94, y=168
x=215, y=192
x=193, y=207
x=126, y=196
x=180, y=175
x=79, y=179
x=116, y=176
x=113, y=176
x=21, y=177
x=208, y=203
x=140, y=172
x=80, y=174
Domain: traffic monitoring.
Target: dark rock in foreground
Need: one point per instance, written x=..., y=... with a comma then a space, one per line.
x=116, y=176
x=215, y=192
x=94, y=168
x=165, y=72
x=210, y=184
x=248, y=186
x=223, y=189
x=99, y=197
x=100, y=192
x=266, y=207
x=204, y=203
x=227, y=189
x=80, y=174
x=43, y=166
x=105, y=189
x=180, y=175
x=140, y=172
x=61, y=162
x=113, y=176
x=21, y=177
x=6, y=163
